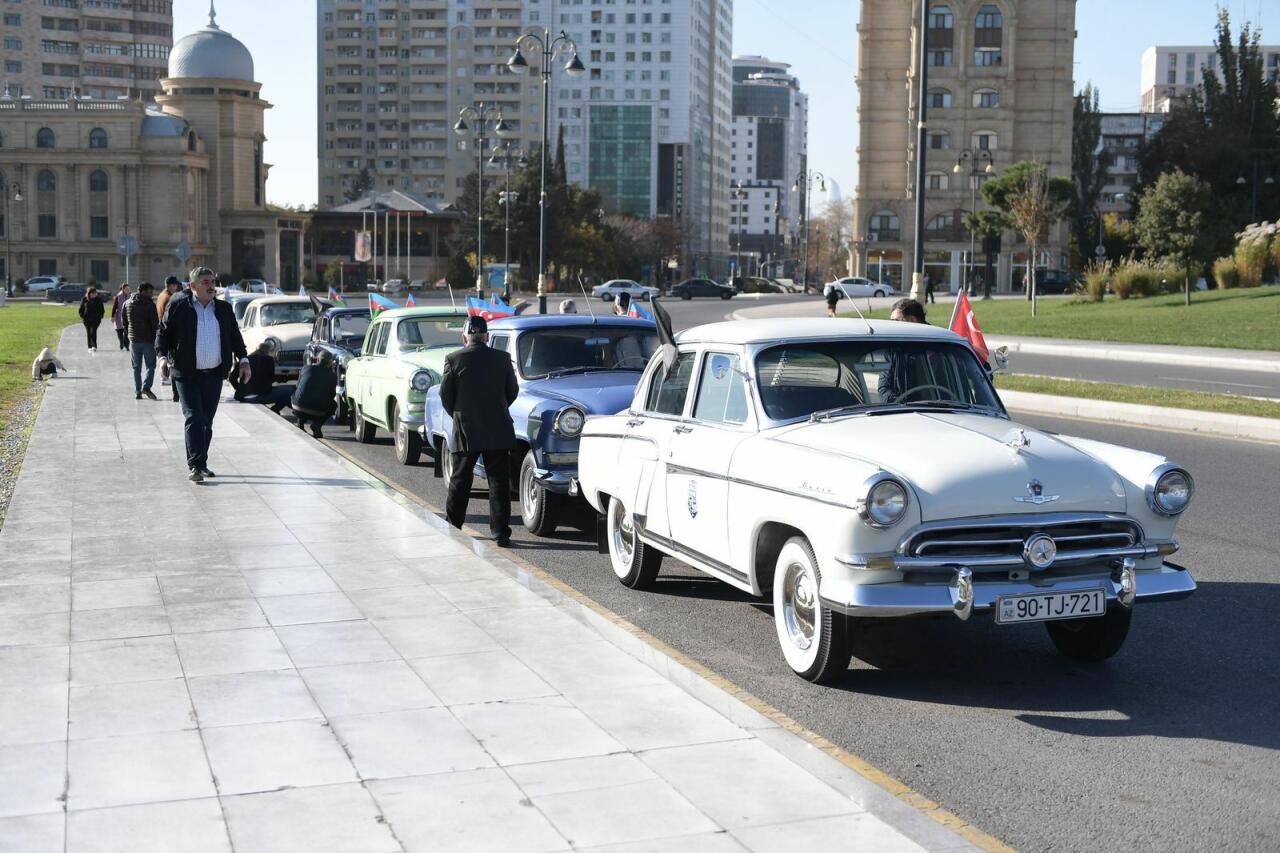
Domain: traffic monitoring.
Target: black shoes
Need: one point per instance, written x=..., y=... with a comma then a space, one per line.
x=207, y=473
x=195, y=476
x=315, y=430
x=146, y=392
x=504, y=541
x=137, y=396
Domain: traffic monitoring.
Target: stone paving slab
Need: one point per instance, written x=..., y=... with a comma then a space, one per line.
x=293, y=657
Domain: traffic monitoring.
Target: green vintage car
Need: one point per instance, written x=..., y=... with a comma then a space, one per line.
x=403, y=355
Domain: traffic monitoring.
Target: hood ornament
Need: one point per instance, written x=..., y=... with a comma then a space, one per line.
x=1035, y=495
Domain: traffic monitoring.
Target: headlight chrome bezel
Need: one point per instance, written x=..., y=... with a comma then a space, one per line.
x=425, y=385
x=559, y=426
x=882, y=480
x=274, y=343
x=1153, y=489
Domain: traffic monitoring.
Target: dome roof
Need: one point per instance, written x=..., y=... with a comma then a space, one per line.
x=211, y=52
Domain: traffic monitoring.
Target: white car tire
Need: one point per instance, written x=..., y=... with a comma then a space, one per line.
x=814, y=640
x=634, y=563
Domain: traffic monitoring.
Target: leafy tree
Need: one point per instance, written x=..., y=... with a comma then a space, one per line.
x=1033, y=202
x=360, y=186
x=1171, y=223
x=987, y=225
x=460, y=275
x=333, y=275
x=1088, y=164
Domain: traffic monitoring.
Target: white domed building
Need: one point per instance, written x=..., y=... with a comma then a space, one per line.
x=183, y=174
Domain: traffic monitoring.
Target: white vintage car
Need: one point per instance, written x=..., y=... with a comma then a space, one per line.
x=284, y=322
x=855, y=470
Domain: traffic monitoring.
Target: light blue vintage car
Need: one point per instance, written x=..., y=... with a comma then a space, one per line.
x=569, y=367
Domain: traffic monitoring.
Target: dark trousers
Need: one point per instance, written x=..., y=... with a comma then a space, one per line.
x=497, y=468
x=277, y=398
x=142, y=352
x=91, y=335
x=123, y=336
x=49, y=369
x=199, y=392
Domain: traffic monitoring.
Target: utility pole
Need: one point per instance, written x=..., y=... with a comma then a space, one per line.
x=922, y=94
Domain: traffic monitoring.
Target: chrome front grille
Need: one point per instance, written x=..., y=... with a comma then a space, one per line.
x=998, y=542
x=290, y=358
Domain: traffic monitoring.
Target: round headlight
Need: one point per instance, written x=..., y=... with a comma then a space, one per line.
x=273, y=344
x=1169, y=490
x=885, y=504
x=569, y=422
x=421, y=381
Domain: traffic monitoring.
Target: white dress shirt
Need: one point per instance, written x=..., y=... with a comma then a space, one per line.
x=208, y=336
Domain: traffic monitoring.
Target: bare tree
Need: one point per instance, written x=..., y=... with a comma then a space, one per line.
x=1034, y=202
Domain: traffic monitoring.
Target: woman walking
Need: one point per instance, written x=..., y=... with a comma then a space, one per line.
x=117, y=316
x=91, y=311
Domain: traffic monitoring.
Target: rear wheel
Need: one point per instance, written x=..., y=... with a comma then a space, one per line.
x=725, y=295
x=351, y=415
x=539, y=508
x=446, y=462
x=341, y=414
x=607, y=297
x=408, y=442
x=365, y=431
x=1094, y=639
x=635, y=563
x=685, y=296
x=881, y=294
x=814, y=640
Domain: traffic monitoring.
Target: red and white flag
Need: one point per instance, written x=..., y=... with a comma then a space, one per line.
x=964, y=324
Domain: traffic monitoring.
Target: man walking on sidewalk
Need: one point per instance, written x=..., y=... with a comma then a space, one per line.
x=477, y=390
x=199, y=338
x=117, y=315
x=140, y=323
x=171, y=288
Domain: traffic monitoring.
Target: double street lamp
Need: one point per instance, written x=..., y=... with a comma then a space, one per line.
x=506, y=154
x=976, y=171
x=1241, y=181
x=806, y=180
x=5, y=186
x=484, y=117
x=549, y=48
x=739, y=195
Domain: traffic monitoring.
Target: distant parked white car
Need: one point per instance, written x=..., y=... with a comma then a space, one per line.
x=285, y=322
x=610, y=290
x=395, y=285
x=42, y=283
x=858, y=286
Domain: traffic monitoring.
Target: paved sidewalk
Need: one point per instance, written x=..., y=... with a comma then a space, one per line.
x=292, y=657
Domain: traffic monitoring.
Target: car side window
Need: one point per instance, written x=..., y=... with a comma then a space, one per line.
x=667, y=391
x=722, y=395
x=500, y=342
x=378, y=339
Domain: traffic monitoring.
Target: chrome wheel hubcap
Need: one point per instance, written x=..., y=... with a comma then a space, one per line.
x=624, y=534
x=402, y=436
x=529, y=494
x=798, y=606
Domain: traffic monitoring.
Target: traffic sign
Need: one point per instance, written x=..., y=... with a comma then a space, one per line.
x=182, y=252
x=128, y=245
x=1101, y=251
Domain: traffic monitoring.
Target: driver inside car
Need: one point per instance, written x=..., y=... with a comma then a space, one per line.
x=907, y=370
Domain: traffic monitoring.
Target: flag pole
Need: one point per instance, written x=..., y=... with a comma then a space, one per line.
x=954, y=310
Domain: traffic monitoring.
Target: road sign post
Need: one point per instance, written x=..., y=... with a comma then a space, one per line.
x=128, y=246
x=183, y=253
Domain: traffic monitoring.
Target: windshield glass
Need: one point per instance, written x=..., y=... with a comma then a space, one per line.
x=350, y=325
x=797, y=380
x=276, y=313
x=430, y=332
x=585, y=348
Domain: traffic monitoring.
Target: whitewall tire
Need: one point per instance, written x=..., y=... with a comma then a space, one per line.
x=814, y=641
x=634, y=563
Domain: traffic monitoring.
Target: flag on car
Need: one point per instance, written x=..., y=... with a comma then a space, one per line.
x=336, y=297
x=666, y=340
x=638, y=312
x=477, y=307
x=378, y=304
x=316, y=305
x=964, y=324
x=277, y=291
x=410, y=302
x=302, y=290
x=499, y=307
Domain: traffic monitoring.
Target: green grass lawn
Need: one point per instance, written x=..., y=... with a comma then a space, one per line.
x=25, y=329
x=1172, y=397
x=1243, y=319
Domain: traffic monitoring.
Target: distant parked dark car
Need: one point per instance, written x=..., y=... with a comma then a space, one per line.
x=755, y=284
x=67, y=292
x=339, y=332
x=1054, y=281
x=692, y=287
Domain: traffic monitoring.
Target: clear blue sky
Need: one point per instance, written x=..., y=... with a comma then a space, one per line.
x=816, y=36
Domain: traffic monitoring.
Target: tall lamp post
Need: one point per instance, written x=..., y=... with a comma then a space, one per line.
x=549, y=48
x=739, y=195
x=505, y=154
x=976, y=170
x=8, y=229
x=805, y=181
x=483, y=116
x=1242, y=180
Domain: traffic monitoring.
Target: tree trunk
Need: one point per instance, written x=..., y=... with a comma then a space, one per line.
x=1031, y=279
x=1188, y=286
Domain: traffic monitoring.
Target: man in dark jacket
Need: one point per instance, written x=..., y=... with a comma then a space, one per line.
x=91, y=311
x=200, y=342
x=261, y=387
x=316, y=396
x=140, y=323
x=171, y=288
x=477, y=389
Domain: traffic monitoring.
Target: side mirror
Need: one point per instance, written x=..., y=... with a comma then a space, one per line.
x=1000, y=360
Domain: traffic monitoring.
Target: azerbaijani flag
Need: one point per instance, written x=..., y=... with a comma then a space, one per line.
x=638, y=312
x=500, y=308
x=410, y=302
x=378, y=304
x=302, y=290
x=277, y=291
x=493, y=310
x=334, y=296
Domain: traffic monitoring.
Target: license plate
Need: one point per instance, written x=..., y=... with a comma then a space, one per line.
x=1043, y=606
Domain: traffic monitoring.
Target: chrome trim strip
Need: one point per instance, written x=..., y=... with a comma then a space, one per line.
x=1030, y=521
x=737, y=481
x=674, y=547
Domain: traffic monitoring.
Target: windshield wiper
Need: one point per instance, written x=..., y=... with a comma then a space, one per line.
x=569, y=371
x=939, y=404
x=828, y=414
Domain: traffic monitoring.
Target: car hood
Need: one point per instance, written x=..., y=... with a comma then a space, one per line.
x=599, y=393
x=430, y=359
x=962, y=465
x=287, y=333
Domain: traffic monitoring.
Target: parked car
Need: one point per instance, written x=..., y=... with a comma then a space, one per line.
x=68, y=292
x=239, y=303
x=419, y=284
x=869, y=470
x=610, y=290
x=857, y=286
x=570, y=368
x=339, y=332
x=41, y=283
x=755, y=284
x=401, y=358
x=395, y=285
x=1054, y=281
x=692, y=287
x=285, y=323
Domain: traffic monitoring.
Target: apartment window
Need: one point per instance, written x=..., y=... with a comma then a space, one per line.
x=986, y=99
x=97, y=138
x=988, y=36
x=939, y=139
x=44, y=138
x=99, y=227
x=1189, y=77
x=984, y=140
x=100, y=270
x=941, y=37
x=12, y=20
x=886, y=225
x=13, y=44
x=940, y=99
x=1173, y=77
x=46, y=204
x=937, y=180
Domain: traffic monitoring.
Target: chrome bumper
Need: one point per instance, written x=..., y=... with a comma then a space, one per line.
x=963, y=592
x=560, y=482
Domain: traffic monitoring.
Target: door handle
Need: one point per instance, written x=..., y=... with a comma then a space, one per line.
x=682, y=430
x=635, y=422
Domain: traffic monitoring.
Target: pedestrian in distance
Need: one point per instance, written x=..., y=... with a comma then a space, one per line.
x=171, y=287
x=315, y=398
x=200, y=342
x=117, y=315
x=568, y=306
x=91, y=313
x=622, y=304
x=140, y=324
x=261, y=387
x=833, y=297
x=46, y=365
x=477, y=390
x=928, y=289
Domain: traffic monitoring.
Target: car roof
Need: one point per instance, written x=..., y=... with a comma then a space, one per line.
x=815, y=328
x=428, y=311
x=276, y=299
x=560, y=321
x=244, y=297
x=340, y=312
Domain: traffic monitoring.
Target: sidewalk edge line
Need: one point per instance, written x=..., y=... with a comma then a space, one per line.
x=860, y=766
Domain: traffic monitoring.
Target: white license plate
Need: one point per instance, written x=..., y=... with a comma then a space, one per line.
x=1043, y=606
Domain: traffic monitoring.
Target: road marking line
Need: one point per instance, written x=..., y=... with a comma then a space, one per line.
x=861, y=766
x=1211, y=382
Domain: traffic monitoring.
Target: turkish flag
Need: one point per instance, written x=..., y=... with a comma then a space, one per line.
x=964, y=324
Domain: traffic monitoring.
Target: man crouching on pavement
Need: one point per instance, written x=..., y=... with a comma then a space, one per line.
x=477, y=389
x=198, y=339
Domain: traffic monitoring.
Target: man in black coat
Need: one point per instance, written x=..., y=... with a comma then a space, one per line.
x=199, y=340
x=477, y=389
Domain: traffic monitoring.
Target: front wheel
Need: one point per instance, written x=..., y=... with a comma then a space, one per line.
x=365, y=431
x=685, y=296
x=408, y=442
x=539, y=508
x=880, y=294
x=635, y=563
x=606, y=297
x=446, y=462
x=814, y=640
x=1094, y=639
x=351, y=415
x=725, y=295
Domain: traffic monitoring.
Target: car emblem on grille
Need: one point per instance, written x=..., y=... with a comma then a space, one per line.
x=1035, y=495
x=1040, y=551
x=693, y=499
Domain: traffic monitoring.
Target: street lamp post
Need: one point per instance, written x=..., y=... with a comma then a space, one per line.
x=739, y=195
x=8, y=229
x=1241, y=181
x=481, y=115
x=505, y=154
x=974, y=159
x=549, y=48
x=805, y=181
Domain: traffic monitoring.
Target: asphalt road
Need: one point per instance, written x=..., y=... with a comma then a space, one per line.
x=1172, y=745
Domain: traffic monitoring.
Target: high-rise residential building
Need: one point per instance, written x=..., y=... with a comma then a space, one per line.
x=649, y=124
x=768, y=148
x=1170, y=72
x=1000, y=91
x=1122, y=135
x=106, y=49
x=391, y=78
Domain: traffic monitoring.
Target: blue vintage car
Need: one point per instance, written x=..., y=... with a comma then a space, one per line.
x=339, y=332
x=569, y=367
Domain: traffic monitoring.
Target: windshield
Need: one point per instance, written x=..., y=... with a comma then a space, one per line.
x=430, y=332
x=548, y=351
x=277, y=313
x=799, y=380
x=350, y=325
